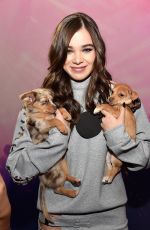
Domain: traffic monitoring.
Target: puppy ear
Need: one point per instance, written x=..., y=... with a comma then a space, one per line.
x=134, y=105
x=27, y=98
x=134, y=96
x=112, y=84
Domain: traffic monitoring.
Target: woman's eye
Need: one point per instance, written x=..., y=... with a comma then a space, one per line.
x=87, y=50
x=69, y=51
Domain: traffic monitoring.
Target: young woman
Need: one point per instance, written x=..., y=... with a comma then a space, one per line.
x=78, y=76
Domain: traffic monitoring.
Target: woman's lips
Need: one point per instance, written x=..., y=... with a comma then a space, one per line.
x=78, y=69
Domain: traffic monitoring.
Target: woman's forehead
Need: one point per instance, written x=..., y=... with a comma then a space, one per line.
x=81, y=38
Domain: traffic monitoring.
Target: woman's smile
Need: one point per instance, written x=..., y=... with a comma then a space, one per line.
x=78, y=69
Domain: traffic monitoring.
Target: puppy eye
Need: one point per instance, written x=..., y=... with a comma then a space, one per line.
x=121, y=95
x=45, y=102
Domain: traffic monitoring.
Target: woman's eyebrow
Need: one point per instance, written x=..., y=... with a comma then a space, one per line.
x=91, y=45
x=83, y=46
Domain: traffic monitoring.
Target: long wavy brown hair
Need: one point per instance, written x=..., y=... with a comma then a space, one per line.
x=59, y=81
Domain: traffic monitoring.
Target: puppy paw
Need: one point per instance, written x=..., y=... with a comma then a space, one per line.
x=97, y=109
x=63, y=129
x=107, y=180
x=76, y=183
x=74, y=193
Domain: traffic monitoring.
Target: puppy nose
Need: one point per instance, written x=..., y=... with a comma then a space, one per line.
x=110, y=99
x=54, y=107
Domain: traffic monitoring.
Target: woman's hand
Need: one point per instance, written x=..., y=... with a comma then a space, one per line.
x=60, y=117
x=110, y=122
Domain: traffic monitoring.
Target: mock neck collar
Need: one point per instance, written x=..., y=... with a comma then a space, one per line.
x=80, y=84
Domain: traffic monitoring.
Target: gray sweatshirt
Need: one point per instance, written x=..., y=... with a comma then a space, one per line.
x=86, y=160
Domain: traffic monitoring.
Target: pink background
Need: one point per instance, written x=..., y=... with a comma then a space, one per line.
x=26, y=27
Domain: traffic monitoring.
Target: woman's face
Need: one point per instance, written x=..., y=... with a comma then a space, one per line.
x=80, y=56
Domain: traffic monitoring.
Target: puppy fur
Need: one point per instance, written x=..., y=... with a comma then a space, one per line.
x=40, y=118
x=122, y=95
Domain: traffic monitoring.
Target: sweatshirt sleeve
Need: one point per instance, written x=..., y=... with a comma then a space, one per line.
x=26, y=160
x=135, y=153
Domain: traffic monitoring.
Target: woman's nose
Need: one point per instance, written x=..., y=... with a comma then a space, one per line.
x=78, y=58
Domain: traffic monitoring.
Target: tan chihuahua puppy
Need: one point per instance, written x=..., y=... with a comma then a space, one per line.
x=122, y=95
x=40, y=118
